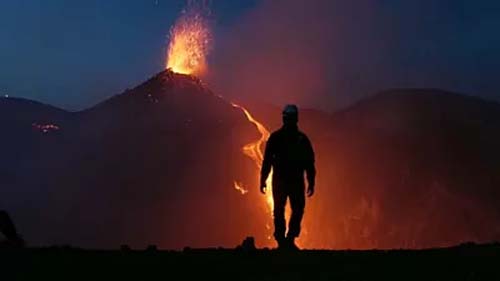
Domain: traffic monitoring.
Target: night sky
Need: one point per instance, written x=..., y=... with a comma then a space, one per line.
x=74, y=54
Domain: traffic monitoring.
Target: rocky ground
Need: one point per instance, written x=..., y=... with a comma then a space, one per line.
x=464, y=262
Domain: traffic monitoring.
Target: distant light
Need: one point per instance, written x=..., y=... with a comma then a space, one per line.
x=45, y=128
x=6, y=96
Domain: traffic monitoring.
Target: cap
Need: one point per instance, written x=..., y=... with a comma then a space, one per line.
x=290, y=109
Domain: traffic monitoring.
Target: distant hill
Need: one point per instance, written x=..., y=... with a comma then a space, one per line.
x=410, y=168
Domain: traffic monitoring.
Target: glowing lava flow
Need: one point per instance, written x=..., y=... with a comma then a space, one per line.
x=254, y=150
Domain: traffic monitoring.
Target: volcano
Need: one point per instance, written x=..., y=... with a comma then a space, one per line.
x=157, y=163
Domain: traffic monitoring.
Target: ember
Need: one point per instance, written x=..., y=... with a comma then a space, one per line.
x=239, y=186
x=45, y=128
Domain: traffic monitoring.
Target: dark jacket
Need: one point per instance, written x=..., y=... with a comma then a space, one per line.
x=289, y=152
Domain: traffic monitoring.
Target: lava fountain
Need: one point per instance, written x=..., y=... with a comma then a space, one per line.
x=190, y=42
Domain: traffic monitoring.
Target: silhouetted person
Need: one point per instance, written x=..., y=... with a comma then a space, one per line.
x=289, y=153
x=8, y=229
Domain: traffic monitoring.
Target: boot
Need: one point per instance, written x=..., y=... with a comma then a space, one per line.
x=282, y=243
x=290, y=244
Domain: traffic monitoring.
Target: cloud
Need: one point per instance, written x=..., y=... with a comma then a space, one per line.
x=330, y=53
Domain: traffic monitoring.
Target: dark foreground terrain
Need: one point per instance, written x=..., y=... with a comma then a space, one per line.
x=465, y=262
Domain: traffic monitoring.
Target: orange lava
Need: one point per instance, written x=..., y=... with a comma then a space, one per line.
x=255, y=150
x=239, y=186
x=190, y=39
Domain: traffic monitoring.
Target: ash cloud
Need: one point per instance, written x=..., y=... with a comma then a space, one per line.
x=328, y=54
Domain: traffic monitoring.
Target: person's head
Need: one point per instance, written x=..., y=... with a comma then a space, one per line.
x=290, y=115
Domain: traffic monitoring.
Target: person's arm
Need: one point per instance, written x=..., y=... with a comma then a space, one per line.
x=310, y=168
x=266, y=164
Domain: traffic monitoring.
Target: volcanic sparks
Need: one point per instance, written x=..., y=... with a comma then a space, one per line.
x=190, y=40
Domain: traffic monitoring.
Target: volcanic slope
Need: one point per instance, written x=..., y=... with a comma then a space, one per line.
x=156, y=164
x=153, y=165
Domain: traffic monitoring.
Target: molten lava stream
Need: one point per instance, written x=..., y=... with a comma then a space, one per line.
x=254, y=150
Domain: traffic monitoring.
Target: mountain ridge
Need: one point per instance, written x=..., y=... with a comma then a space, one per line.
x=156, y=164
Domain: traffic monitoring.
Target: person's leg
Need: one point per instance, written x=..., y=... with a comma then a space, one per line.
x=297, y=203
x=279, y=200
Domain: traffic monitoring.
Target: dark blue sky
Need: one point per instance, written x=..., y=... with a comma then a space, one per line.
x=74, y=54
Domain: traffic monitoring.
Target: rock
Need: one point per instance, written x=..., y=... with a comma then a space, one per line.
x=248, y=245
